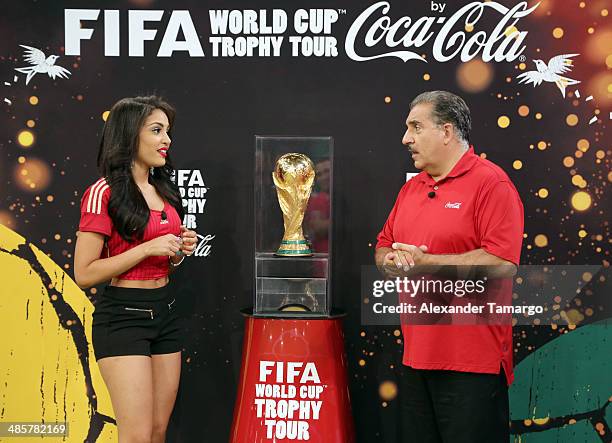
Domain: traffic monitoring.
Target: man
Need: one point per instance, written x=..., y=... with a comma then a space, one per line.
x=459, y=210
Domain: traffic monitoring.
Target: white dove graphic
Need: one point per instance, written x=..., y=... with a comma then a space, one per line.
x=41, y=64
x=557, y=65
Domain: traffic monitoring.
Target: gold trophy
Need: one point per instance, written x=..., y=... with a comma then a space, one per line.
x=293, y=177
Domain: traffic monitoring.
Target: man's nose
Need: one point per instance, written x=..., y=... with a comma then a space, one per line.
x=408, y=138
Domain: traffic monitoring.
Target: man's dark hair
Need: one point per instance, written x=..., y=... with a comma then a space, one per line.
x=448, y=108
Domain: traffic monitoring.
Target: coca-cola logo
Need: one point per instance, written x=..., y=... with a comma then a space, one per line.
x=194, y=193
x=450, y=205
x=204, y=246
x=375, y=29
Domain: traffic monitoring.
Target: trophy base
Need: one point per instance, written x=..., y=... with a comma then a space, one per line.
x=283, y=253
x=291, y=286
x=315, y=343
x=294, y=307
x=294, y=248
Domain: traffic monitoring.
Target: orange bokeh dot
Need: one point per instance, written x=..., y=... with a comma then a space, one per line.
x=474, y=76
x=25, y=138
x=557, y=32
x=7, y=219
x=503, y=121
x=599, y=46
x=583, y=144
x=577, y=180
x=511, y=31
x=541, y=241
x=387, y=390
x=32, y=175
x=599, y=85
x=571, y=119
x=581, y=201
x=523, y=110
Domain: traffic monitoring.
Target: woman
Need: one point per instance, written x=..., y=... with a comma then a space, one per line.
x=130, y=233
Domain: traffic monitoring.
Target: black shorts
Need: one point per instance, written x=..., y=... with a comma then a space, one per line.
x=134, y=321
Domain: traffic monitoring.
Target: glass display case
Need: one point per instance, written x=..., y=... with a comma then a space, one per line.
x=293, y=226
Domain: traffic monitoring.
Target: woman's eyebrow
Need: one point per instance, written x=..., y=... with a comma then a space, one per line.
x=157, y=123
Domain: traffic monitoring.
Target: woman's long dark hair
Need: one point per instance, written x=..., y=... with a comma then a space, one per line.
x=118, y=149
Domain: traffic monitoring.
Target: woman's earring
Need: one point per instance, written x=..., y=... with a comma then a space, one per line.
x=151, y=169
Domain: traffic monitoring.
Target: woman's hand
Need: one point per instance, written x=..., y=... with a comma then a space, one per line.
x=166, y=245
x=190, y=239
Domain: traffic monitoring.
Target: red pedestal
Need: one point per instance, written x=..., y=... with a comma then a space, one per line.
x=293, y=384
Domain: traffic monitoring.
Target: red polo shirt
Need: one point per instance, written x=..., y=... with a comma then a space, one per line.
x=475, y=206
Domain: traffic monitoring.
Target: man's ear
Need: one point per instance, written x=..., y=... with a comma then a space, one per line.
x=449, y=132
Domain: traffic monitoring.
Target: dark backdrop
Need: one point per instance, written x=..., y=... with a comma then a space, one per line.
x=223, y=102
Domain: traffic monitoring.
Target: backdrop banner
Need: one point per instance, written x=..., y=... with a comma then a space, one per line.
x=536, y=76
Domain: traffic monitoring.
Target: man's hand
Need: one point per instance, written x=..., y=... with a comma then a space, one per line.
x=396, y=262
x=478, y=260
x=414, y=254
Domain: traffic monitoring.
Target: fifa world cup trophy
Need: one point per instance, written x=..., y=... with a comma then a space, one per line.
x=293, y=177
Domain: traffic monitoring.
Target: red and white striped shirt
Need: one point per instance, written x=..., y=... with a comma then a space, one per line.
x=95, y=218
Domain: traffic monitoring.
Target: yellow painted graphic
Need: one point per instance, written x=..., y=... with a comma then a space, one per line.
x=47, y=366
